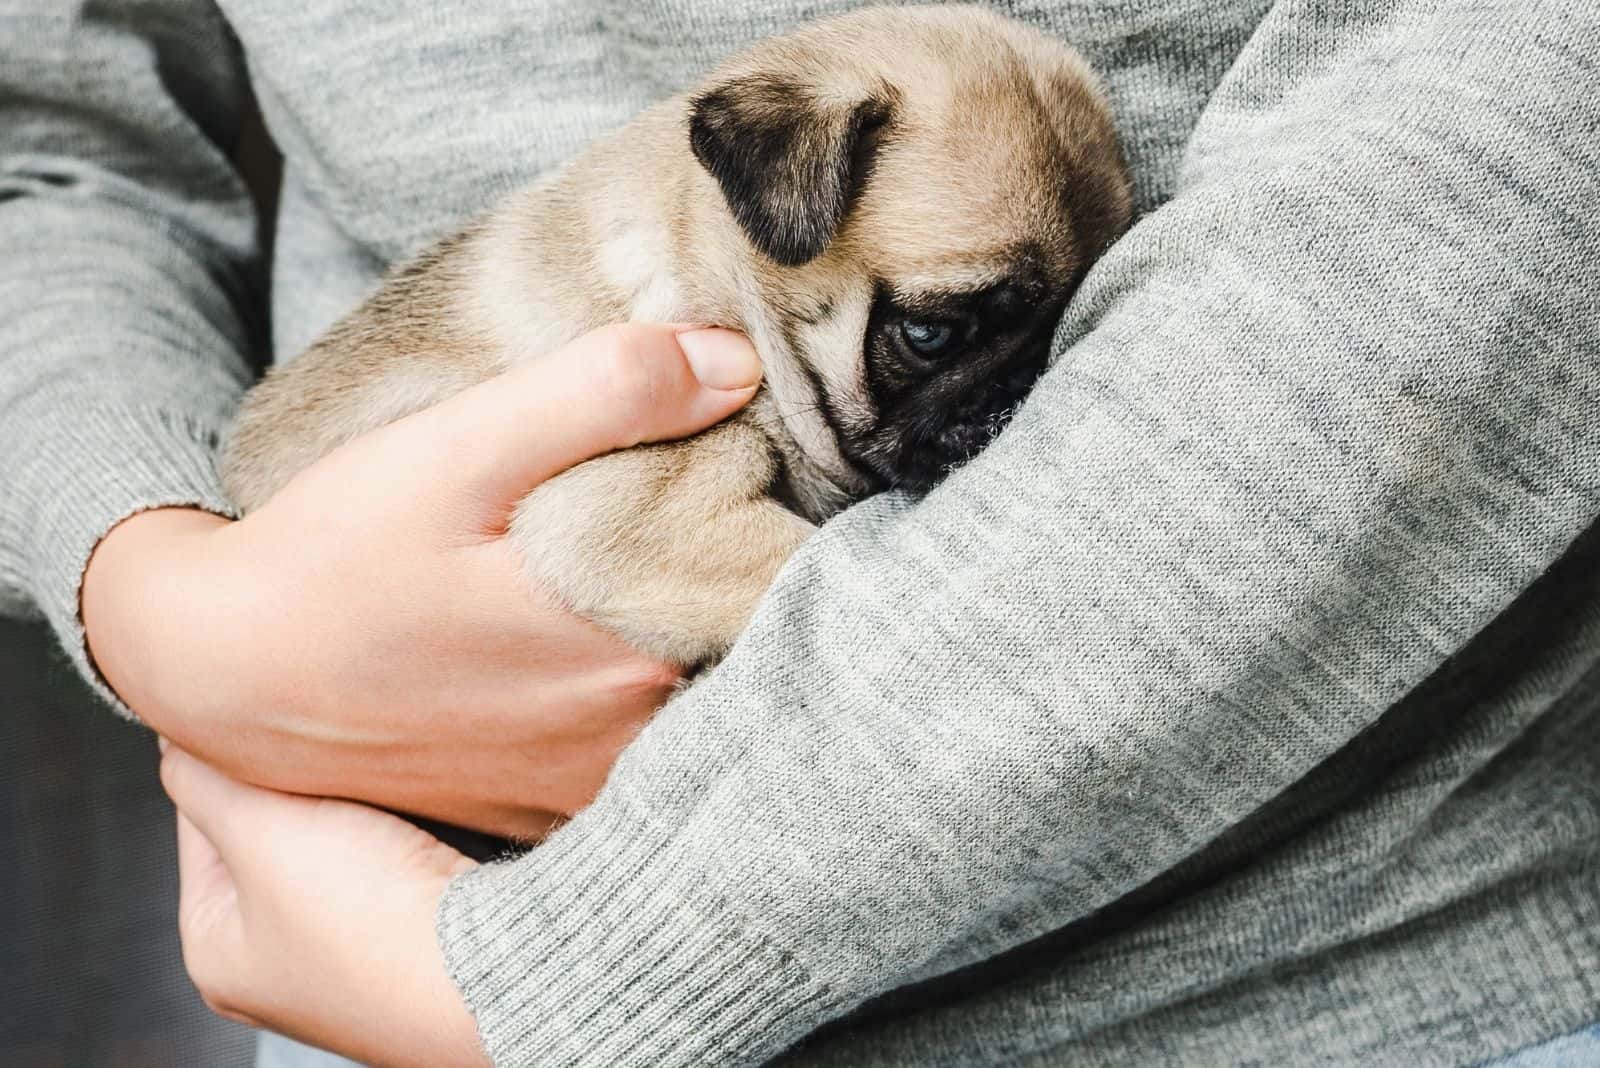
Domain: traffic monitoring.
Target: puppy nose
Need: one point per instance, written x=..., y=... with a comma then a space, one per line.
x=959, y=441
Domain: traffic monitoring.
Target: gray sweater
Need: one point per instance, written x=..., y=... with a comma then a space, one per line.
x=1239, y=706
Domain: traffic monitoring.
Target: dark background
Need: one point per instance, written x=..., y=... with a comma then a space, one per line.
x=90, y=970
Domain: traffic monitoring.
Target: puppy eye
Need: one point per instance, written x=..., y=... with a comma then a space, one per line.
x=928, y=337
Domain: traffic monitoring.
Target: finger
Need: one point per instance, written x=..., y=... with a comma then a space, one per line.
x=211, y=927
x=205, y=888
x=214, y=803
x=611, y=389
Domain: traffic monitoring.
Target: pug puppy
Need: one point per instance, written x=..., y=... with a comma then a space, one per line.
x=894, y=204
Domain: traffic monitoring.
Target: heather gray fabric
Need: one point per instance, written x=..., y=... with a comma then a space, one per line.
x=1237, y=707
x=90, y=973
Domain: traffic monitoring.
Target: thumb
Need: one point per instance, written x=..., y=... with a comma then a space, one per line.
x=610, y=389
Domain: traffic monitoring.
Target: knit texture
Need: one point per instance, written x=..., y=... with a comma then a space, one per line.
x=1237, y=707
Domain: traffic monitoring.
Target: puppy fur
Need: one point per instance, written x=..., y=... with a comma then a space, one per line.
x=818, y=191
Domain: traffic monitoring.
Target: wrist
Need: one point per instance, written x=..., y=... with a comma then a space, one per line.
x=136, y=603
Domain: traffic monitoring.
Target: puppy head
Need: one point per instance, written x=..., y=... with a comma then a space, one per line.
x=920, y=190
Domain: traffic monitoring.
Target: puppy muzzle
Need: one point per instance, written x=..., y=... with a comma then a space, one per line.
x=970, y=425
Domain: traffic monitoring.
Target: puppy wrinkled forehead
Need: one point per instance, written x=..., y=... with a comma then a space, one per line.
x=915, y=143
x=938, y=217
x=1022, y=265
x=995, y=141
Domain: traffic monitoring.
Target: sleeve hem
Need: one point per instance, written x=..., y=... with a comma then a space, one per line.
x=118, y=462
x=606, y=946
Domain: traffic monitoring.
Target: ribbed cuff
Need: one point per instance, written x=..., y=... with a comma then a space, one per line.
x=80, y=473
x=607, y=946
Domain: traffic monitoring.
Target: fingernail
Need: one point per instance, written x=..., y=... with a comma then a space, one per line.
x=161, y=742
x=721, y=359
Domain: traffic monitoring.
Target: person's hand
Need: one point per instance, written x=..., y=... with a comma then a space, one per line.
x=369, y=632
x=315, y=919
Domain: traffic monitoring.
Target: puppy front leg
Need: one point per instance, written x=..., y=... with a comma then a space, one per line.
x=670, y=546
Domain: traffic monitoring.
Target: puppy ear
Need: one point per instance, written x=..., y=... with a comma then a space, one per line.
x=788, y=160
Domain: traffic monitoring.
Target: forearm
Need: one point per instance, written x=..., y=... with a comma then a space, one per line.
x=1301, y=448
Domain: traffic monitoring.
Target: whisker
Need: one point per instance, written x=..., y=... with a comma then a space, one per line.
x=786, y=412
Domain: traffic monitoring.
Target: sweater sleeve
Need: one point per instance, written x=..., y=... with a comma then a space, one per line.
x=1314, y=422
x=128, y=266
